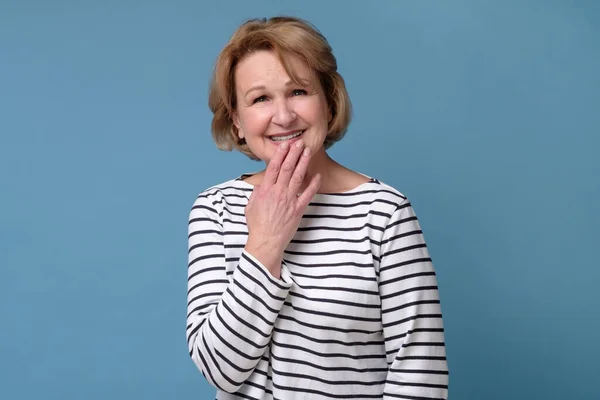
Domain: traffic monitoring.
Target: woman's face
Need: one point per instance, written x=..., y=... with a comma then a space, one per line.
x=271, y=108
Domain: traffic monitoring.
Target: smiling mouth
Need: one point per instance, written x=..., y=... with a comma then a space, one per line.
x=286, y=137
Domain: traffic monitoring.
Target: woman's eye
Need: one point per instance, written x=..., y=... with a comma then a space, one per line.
x=260, y=99
x=298, y=92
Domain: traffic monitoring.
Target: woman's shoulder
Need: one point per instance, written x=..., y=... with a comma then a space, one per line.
x=235, y=187
x=370, y=186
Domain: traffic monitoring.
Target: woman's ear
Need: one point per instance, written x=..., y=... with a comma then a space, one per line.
x=236, y=122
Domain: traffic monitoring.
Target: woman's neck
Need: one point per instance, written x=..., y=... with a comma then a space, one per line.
x=322, y=164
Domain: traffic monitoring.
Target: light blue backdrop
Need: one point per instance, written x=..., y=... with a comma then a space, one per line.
x=486, y=114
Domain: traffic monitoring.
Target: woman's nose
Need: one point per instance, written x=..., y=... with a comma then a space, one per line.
x=284, y=113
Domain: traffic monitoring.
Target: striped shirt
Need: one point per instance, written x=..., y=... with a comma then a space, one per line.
x=355, y=315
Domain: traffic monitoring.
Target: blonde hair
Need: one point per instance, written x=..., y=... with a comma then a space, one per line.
x=285, y=36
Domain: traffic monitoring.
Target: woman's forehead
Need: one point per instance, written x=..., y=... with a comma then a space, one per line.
x=265, y=67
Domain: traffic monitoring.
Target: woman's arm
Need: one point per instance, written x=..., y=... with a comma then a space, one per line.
x=229, y=324
x=411, y=312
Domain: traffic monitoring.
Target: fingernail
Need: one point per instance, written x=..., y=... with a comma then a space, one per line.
x=283, y=146
x=307, y=152
x=299, y=144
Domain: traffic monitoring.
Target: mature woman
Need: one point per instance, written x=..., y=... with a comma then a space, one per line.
x=306, y=280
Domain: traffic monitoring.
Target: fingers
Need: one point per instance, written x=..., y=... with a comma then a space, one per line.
x=306, y=197
x=289, y=164
x=274, y=166
x=300, y=171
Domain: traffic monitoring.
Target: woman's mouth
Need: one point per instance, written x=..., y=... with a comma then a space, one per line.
x=287, y=137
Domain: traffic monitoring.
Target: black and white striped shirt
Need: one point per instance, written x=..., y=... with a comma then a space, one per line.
x=355, y=315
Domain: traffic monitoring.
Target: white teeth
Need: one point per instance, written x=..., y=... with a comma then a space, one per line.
x=288, y=137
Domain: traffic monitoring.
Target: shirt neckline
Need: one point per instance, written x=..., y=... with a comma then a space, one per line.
x=240, y=180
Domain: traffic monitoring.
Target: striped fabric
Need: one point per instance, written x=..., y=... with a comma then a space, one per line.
x=355, y=315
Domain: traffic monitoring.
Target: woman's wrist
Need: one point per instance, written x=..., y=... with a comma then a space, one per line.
x=267, y=255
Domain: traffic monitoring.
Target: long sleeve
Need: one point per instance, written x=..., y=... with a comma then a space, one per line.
x=229, y=320
x=411, y=312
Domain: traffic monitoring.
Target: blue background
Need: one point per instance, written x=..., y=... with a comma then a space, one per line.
x=486, y=114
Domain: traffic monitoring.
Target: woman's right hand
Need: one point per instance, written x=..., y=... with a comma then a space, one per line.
x=275, y=209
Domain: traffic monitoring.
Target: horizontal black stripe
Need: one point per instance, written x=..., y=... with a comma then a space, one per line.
x=400, y=222
x=332, y=315
x=363, y=192
x=412, y=289
x=411, y=304
x=204, y=244
x=402, y=264
x=200, y=296
x=345, y=217
x=334, y=301
x=428, y=344
x=210, y=282
x=240, y=214
x=205, y=257
x=335, y=276
x=204, y=232
x=234, y=245
x=327, y=394
x=401, y=236
x=326, y=253
x=239, y=196
x=416, y=330
x=411, y=318
x=403, y=249
x=419, y=371
x=339, y=264
x=204, y=219
x=230, y=221
x=352, y=205
x=206, y=270
x=339, y=229
x=221, y=189
x=329, y=341
x=420, y=358
x=242, y=206
x=328, y=355
x=234, y=233
x=337, y=289
x=202, y=207
x=332, y=239
x=326, y=368
x=323, y=328
x=417, y=384
x=197, y=309
x=328, y=381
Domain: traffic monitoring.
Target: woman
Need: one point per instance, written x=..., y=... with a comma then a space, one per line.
x=307, y=279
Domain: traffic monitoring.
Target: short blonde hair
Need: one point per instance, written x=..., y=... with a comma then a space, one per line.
x=285, y=36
